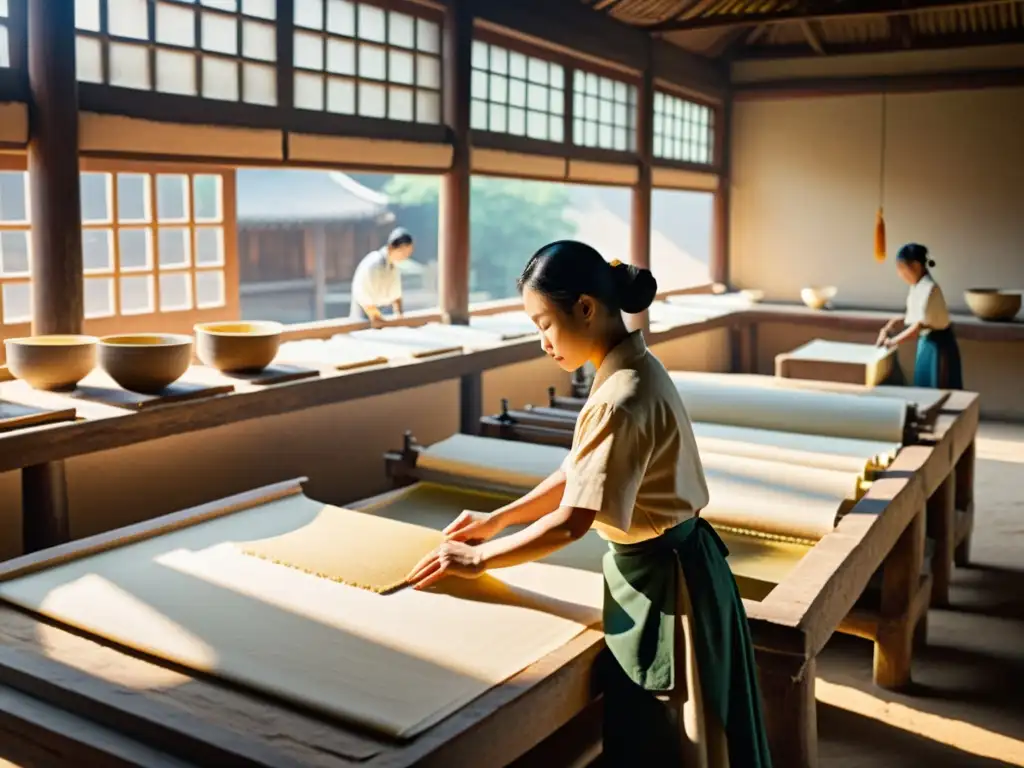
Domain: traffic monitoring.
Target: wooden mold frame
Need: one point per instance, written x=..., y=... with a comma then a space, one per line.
x=105, y=705
x=929, y=485
x=790, y=365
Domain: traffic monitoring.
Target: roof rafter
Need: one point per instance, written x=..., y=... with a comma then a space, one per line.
x=814, y=10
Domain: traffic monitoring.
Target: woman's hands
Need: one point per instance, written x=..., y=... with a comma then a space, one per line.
x=457, y=556
x=453, y=558
x=474, y=527
x=883, y=335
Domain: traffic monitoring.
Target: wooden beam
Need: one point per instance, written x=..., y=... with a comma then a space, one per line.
x=846, y=86
x=640, y=229
x=454, y=245
x=901, y=39
x=57, y=284
x=812, y=36
x=719, y=267
x=688, y=70
x=810, y=10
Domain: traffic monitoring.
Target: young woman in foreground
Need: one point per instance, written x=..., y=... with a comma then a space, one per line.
x=937, y=364
x=671, y=604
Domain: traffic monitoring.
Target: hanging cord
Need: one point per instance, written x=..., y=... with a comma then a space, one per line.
x=881, y=170
x=880, y=248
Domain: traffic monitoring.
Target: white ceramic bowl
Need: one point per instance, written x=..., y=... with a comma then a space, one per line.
x=239, y=345
x=817, y=296
x=54, y=362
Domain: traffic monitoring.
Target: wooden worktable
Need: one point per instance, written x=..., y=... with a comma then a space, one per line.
x=928, y=485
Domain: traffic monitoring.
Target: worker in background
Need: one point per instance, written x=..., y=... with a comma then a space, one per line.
x=679, y=677
x=377, y=284
x=937, y=364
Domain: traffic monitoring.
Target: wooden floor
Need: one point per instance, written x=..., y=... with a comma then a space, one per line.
x=967, y=707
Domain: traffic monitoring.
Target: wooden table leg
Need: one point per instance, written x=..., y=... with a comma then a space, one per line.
x=965, y=502
x=471, y=407
x=942, y=526
x=736, y=358
x=903, y=590
x=790, y=710
x=751, y=365
x=44, y=506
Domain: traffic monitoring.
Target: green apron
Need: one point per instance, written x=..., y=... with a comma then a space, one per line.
x=937, y=364
x=640, y=623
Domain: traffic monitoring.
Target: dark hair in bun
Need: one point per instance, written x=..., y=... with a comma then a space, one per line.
x=565, y=270
x=915, y=253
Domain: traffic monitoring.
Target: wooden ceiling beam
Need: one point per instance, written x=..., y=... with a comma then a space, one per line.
x=813, y=39
x=897, y=41
x=815, y=10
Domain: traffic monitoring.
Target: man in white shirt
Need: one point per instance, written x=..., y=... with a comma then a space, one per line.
x=376, y=283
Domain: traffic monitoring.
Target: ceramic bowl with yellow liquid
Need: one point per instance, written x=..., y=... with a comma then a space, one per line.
x=53, y=362
x=238, y=346
x=145, y=362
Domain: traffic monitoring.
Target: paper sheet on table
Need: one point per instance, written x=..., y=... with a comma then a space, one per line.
x=396, y=664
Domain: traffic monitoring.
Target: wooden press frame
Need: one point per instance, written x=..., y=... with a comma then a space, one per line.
x=929, y=485
x=951, y=528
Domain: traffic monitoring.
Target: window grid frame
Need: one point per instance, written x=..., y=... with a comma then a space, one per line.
x=17, y=226
x=197, y=51
x=154, y=270
x=712, y=128
x=13, y=78
x=632, y=107
x=418, y=13
x=172, y=321
x=510, y=48
x=570, y=63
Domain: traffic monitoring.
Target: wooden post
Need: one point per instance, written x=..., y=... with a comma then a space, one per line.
x=942, y=525
x=44, y=503
x=964, y=505
x=719, y=267
x=454, y=199
x=901, y=583
x=790, y=711
x=319, y=246
x=57, y=287
x=640, y=235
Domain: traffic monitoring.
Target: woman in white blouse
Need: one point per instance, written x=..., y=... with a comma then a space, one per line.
x=927, y=319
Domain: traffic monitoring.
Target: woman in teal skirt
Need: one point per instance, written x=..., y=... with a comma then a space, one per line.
x=679, y=679
x=937, y=364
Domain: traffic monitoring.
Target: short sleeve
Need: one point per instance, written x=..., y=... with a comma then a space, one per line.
x=604, y=469
x=935, y=314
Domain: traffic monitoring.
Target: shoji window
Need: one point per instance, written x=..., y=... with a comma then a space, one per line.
x=517, y=94
x=604, y=112
x=355, y=58
x=152, y=242
x=223, y=50
x=683, y=130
